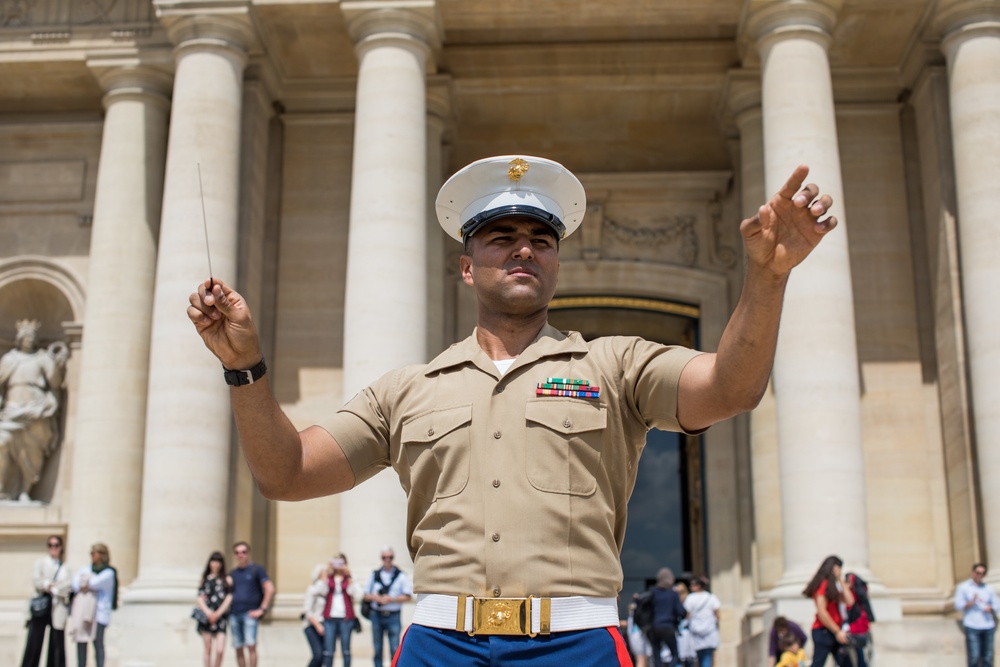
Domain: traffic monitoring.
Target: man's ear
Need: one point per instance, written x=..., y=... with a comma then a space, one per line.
x=465, y=263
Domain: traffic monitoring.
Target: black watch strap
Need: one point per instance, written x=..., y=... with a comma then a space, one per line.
x=249, y=376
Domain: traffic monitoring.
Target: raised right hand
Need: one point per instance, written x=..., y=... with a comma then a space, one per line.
x=222, y=318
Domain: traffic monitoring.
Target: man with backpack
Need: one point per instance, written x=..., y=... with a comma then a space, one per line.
x=388, y=588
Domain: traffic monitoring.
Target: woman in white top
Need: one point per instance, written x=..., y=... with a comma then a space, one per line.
x=100, y=579
x=703, y=620
x=312, y=612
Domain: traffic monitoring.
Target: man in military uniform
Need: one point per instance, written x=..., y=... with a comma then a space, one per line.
x=518, y=447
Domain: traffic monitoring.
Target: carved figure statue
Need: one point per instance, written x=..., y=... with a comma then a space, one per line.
x=29, y=404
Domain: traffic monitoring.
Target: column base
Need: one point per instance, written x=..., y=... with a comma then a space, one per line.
x=161, y=587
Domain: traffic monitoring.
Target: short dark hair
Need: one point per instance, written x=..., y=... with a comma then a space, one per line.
x=241, y=543
x=789, y=640
x=976, y=566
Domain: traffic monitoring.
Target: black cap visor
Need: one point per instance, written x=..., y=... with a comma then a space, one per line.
x=477, y=223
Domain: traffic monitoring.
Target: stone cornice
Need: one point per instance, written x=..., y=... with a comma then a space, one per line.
x=439, y=94
x=741, y=92
x=225, y=22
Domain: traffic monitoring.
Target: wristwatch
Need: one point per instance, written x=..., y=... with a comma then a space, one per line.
x=249, y=376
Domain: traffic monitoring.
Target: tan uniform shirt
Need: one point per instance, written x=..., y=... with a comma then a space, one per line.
x=512, y=494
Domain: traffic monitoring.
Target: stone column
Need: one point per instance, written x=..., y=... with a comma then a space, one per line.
x=386, y=327
x=816, y=386
x=185, y=483
x=438, y=244
x=972, y=44
x=744, y=100
x=111, y=414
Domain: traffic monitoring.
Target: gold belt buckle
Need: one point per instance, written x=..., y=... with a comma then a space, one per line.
x=504, y=616
x=501, y=616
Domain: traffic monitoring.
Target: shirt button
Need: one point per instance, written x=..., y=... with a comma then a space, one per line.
x=497, y=434
x=567, y=423
x=496, y=484
x=500, y=388
x=430, y=432
x=496, y=537
x=496, y=591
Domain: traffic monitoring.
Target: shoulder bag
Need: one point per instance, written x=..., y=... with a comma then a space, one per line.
x=41, y=604
x=701, y=625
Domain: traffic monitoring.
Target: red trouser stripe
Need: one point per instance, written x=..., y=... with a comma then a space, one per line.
x=620, y=649
x=400, y=649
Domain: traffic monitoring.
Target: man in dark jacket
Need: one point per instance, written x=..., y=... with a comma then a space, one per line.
x=668, y=612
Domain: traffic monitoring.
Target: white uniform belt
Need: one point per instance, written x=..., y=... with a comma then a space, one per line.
x=514, y=616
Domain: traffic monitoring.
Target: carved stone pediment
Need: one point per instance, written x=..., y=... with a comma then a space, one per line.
x=665, y=218
x=670, y=239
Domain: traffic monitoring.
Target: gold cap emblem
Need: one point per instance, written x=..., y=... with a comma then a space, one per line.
x=517, y=169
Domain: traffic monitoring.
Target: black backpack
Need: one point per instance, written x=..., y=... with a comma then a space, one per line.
x=860, y=589
x=366, y=606
x=642, y=617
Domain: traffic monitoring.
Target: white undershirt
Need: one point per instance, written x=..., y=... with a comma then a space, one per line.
x=337, y=607
x=503, y=364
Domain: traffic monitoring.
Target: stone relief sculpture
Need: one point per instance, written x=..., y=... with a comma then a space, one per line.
x=29, y=407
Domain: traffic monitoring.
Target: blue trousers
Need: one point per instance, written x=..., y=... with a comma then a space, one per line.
x=332, y=629
x=315, y=646
x=979, y=646
x=825, y=644
x=382, y=625
x=431, y=647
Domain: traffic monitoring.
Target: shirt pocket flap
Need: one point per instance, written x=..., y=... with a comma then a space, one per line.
x=433, y=426
x=570, y=415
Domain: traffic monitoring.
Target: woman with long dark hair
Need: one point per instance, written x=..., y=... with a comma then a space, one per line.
x=215, y=594
x=832, y=597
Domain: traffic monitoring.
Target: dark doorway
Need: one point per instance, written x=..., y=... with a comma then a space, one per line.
x=666, y=526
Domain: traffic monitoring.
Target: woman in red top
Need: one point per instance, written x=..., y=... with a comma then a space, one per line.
x=832, y=597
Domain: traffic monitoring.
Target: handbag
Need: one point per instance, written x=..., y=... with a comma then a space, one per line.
x=41, y=606
x=357, y=624
x=366, y=609
x=200, y=616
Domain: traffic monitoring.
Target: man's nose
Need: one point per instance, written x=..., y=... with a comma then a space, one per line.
x=524, y=250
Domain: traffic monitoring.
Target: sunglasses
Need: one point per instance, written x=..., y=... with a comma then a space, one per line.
x=54, y=545
x=241, y=552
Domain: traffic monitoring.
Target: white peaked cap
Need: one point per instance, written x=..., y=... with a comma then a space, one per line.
x=505, y=185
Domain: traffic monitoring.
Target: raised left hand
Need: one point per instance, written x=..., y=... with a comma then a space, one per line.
x=788, y=227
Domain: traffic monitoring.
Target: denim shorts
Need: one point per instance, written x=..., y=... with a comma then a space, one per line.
x=244, y=630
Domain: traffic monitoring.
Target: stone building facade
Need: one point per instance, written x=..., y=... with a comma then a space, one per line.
x=317, y=134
